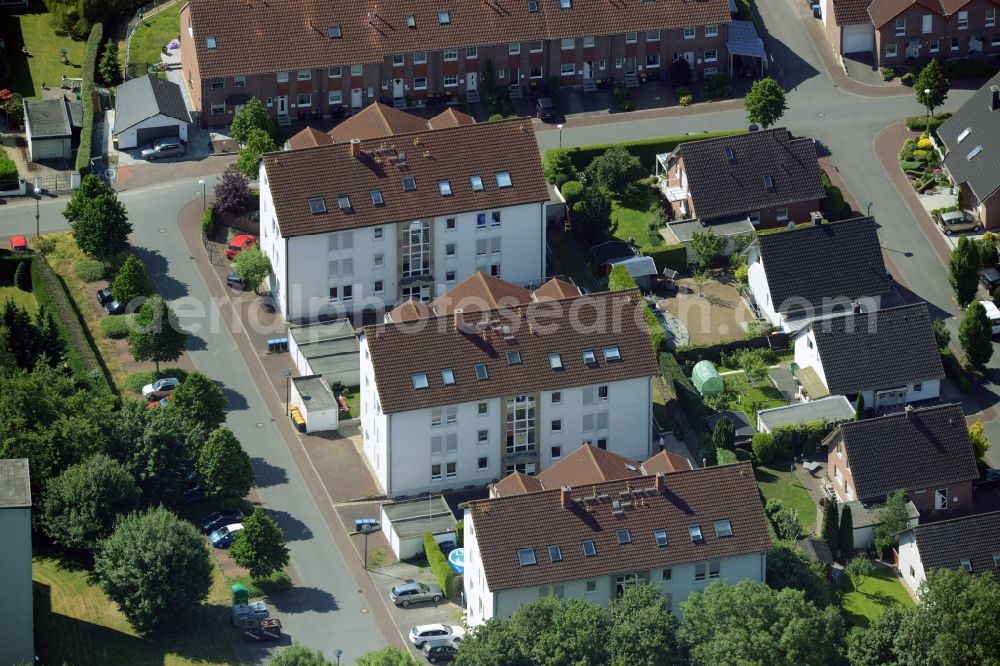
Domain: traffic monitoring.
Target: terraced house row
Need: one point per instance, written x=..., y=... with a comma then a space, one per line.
x=307, y=59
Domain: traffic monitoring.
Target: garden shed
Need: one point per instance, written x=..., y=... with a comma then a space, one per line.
x=706, y=379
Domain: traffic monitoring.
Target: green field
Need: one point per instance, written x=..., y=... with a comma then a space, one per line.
x=76, y=624
x=43, y=67
x=778, y=482
x=153, y=34
x=23, y=298
x=875, y=594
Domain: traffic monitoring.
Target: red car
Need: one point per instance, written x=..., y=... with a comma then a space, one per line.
x=18, y=244
x=240, y=243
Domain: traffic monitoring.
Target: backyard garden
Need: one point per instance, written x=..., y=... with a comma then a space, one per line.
x=920, y=162
x=46, y=63
x=153, y=33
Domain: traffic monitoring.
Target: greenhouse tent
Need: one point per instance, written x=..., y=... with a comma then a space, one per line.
x=706, y=379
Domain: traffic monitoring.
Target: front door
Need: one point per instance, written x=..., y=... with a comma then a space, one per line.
x=471, y=82
x=282, y=105
x=913, y=48
x=629, y=66
x=588, y=71
x=355, y=98
x=397, y=88
x=689, y=56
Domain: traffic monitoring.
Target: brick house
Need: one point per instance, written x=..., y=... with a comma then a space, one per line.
x=306, y=59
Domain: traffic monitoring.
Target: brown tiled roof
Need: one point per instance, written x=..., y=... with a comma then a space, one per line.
x=450, y=118
x=851, y=12
x=588, y=464
x=376, y=121
x=454, y=154
x=309, y=138
x=480, y=292
x=910, y=450
x=567, y=327
x=883, y=11
x=516, y=483
x=504, y=525
x=664, y=462
x=409, y=310
x=254, y=36
x=556, y=289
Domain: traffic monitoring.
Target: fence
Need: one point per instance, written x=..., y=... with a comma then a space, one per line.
x=144, y=12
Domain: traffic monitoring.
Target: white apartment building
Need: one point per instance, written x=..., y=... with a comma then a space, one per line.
x=362, y=225
x=463, y=399
x=679, y=531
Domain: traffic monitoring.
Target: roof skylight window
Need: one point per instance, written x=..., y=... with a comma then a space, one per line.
x=344, y=202
x=694, y=531
x=589, y=549
x=334, y=32
x=419, y=380
x=624, y=537
x=377, y=198
x=448, y=376
x=477, y=183
x=444, y=17
x=555, y=361
x=768, y=182
x=526, y=556
x=723, y=528
x=210, y=42
x=317, y=205
x=555, y=553
x=409, y=183
x=661, y=538
x=965, y=133
x=975, y=151
x=482, y=374
x=444, y=187
x=503, y=179
x=588, y=357
x=514, y=358
x=612, y=353
x=411, y=21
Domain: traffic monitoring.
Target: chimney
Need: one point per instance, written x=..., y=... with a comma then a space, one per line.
x=994, y=98
x=856, y=307
x=909, y=411
x=355, y=147
x=816, y=217
x=459, y=319
x=661, y=483
x=565, y=499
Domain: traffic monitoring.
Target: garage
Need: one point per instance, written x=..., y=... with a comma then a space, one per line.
x=859, y=38
x=149, y=108
x=53, y=129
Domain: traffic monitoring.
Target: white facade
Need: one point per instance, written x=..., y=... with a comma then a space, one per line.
x=129, y=138
x=677, y=582
x=453, y=446
x=350, y=271
x=910, y=566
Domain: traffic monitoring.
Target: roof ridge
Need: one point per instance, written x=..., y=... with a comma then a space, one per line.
x=946, y=521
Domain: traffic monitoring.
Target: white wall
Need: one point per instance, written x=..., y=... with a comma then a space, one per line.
x=374, y=423
x=909, y=559
x=757, y=281
x=807, y=353
x=317, y=420
x=130, y=137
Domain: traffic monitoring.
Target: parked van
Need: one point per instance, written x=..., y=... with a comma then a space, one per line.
x=993, y=312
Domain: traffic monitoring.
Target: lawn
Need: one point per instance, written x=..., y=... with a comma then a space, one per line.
x=23, y=298
x=775, y=481
x=76, y=624
x=634, y=212
x=35, y=31
x=875, y=594
x=353, y=398
x=568, y=259
x=153, y=34
x=761, y=396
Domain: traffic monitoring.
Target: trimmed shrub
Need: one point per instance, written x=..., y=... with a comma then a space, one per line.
x=686, y=100
x=888, y=73
x=907, y=79
x=672, y=256
x=969, y=69
x=763, y=447
x=919, y=123
x=90, y=270
x=208, y=222
x=791, y=440
x=645, y=149
x=22, y=276
x=717, y=87
x=924, y=144
x=8, y=173
x=116, y=327
x=908, y=165
x=87, y=97
x=571, y=190
x=684, y=96
x=439, y=565
x=953, y=368
x=725, y=456
x=656, y=333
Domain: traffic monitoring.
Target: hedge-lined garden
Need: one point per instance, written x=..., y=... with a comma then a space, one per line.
x=439, y=564
x=645, y=149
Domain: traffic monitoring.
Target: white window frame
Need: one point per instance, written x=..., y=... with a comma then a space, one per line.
x=690, y=32
x=334, y=72
x=357, y=70
x=303, y=75
x=631, y=37
x=419, y=57
x=471, y=52
x=282, y=77
x=567, y=44
x=927, y=23
x=567, y=69
x=652, y=61
x=218, y=108
x=652, y=35
x=420, y=83
x=991, y=17
x=514, y=48
x=239, y=81
x=711, y=55
x=900, y=26
x=963, y=20
x=451, y=80
x=891, y=50
x=588, y=42
x=711, y=30
x=450, y=55
x=306, y=96
x=535, y=47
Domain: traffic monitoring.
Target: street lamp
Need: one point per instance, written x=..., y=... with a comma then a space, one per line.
x=288, y=391
x=927, y=103
x=38, y=198
x=337, y=653
x=868, y=208
x=560, y=126
x=204, y=205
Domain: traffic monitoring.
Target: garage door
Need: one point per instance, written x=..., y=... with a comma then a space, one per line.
x=150, y=134
x=858, y=38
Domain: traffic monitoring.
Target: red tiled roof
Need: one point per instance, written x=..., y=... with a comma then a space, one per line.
x=516, y=483
x=376, y=121
x=535, y=330
x=453, y=154
x=588, y=464
x=556, y=289
x=256, y=36
x=883, y=11
x=309, y=138
x=409, y=310
x=478, y=293
x=503, y=525
x=664, y=462
x=851, y=12
x=450, y=118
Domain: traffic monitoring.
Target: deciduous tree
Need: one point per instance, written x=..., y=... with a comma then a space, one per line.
x=765, y=103
x=296, y=655
x=706, y=246
x=980, y=443
x=975, y=335
x=494, y=643
x=858, y=569
x=616, y=170
x=252, y=266
x=132, y=281
x=232, y=191
x=557, y=166
x=252, y=116
x=592, y=217
x=620, y=279
x=224, y=467
x=201, y=399
x=388, y=656
x=873, y=645
x=942, y=336
x=155, y=567
x=893, y=517
x=643, y=630
x=98, y=219
x=931, y=86
x=260, y=546
x=788, y=567
x=258, y=142
x=963, y=271
x=155, y=334
x=162, y=458
x=566, y=631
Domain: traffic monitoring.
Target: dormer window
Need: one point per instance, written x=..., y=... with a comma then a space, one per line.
x=444, y=187
x=411, y=21
x=526, y=556
x=624, y=537
x=409, y=183
x=444, y=17
x=317, y=205
x=477, y=183
x=694, y=531
x=589, y=358
x=482, y=374
x=419, y=380
x=377, y=198
x=612, y=353
x=555, y=361
x=514, y=358
x=661, y=538
x=334, y=32
x=344, y=202
x=448, y=376
x=210, y=42
x=503, y=179
x=723, y=528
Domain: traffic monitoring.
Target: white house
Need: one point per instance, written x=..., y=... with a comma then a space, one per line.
x=889, y=356
x=970, y=542
x=359, y=226
x=468, y=397
x=820, y=269
x=679, y=531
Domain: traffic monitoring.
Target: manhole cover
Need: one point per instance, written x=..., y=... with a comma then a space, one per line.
x=364, y=610
x=163, y=231
x=821, y=115
x=260, y=425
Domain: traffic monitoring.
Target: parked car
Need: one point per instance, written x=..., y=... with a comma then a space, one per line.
x=990, y=279
x=993, y=314
x=240, y=243
x=160, y=402
x=104, y=296
x=411, y=592
x=426, y=632
x=990, y=478
x=161, y=388
x=545, y=108
x=440, y=650
x=957, y=220
x=170, y=146
x=18, y=244
x=214, y=521
x=747, y=66
x=114, y=307
x=234, y=281
x=224, y=536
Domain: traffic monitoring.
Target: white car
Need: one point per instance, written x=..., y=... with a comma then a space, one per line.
x=425, y=632
x=161, y=388
x=993, y=314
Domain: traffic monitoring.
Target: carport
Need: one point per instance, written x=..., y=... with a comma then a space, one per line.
x=149, y=108
x=744, y=41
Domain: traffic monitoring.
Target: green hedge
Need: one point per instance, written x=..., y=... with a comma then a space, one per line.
x=645, y=149
x=87, y=97
x=672, y=256
x=208, y=222
x=8, y=173
x=439, y=565
x=953, y=368
x=792, y=440
x=460, y=534
x=90, y=270
x=919, y=123
x=8, y=265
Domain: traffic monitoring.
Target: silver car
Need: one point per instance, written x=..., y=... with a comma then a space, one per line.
x=411, y=593
x=958, y=220
x=171, y=146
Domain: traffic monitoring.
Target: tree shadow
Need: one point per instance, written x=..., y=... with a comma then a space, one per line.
x=304, y=600
x=294, y=529
x=235, y=401
x=158, y=268
x=267, y=475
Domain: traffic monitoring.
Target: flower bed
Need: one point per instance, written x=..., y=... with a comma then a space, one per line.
x=920, y=162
